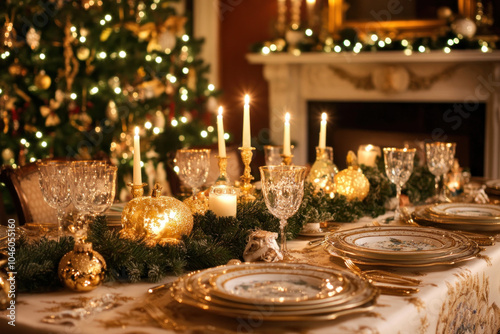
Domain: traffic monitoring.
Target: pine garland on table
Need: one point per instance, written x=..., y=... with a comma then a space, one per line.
x=213, y=241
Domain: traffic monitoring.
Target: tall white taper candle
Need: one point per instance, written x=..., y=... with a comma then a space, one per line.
x=137, y=177
x=286, y=136
x=246, y=123
x=220, y=134
x=322, y=131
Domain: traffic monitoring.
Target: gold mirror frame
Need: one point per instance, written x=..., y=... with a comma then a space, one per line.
x=393, y=29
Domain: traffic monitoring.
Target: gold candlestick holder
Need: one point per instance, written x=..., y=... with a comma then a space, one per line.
x=246, y=187
x=223, y=178
x=137, y=190
x=286, y=159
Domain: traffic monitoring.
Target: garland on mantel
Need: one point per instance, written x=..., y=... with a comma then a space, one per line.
x=213, y=241
x=349, y=41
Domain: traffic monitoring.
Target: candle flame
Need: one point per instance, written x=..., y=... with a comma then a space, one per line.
x=220, y=110
x=311, y=1
x=368, y=147
x=323, y=116
x=247, y=99
x=136, y=130
x=287, y=117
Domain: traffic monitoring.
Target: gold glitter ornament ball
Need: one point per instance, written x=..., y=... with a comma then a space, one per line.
x=351, y=182
x=42, y=81
x=157, y=218
x=4, y=292
x=82, y=269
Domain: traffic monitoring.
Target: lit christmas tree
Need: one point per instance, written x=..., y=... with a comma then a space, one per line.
x=78, y=76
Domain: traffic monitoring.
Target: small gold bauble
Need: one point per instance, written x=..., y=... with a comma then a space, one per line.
x=15, y=69
x=198, y=203
x=42, y=81
x=82, y=53
x=4, y=292
x=159, y=219
x=351, y=182
x=82, y=269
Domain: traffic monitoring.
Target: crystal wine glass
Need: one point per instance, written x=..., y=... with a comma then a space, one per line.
x=398, y=167
x=440, y=157
x=105, y=190
x=283, y=189
x=194, y=165
x=53, y=179
x=84, y=181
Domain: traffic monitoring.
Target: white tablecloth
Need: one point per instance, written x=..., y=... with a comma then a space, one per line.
x=461, y=299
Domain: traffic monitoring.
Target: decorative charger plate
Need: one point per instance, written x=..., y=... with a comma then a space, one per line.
x=329, y=293
x=399, y=242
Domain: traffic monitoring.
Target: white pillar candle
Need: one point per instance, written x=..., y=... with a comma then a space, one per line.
x=246, y=123
x=137, y=177
x=220, y=134
x=286, y=136
x=223, y=205
x=322, y=131
x=367, y=154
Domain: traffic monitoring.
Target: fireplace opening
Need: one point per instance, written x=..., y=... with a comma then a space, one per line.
x=386, y=124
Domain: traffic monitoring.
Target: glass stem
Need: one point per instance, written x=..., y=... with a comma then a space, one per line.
x=438, y=178
x=60, y=222
x=195, y=191
x=283, y=236
x=398, y=196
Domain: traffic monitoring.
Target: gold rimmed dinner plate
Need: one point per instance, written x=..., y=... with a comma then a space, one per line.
x=361, y=297
x=466, y=211
x=203, y=283
x=493, y=184
x=282, y=287
x=423, y=217
x=452, y=259
x=398, y=242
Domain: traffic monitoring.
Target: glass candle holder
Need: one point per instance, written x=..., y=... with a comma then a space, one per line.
x=222, y=200
x=273, y=154
x=323, y=170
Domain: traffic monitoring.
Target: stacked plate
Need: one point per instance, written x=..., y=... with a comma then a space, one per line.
x=493, y=188
x=402, y=246
x=460, y=216
x=276, y=292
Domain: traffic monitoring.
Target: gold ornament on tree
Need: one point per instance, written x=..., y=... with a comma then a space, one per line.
x=351, y=182
x=156, y=218
x=82, y=53
x=42, y=80
x=8, y=34
x=82, y=269
x=33, y=38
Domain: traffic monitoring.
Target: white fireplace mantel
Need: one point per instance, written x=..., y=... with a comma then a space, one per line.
x=466, y=77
